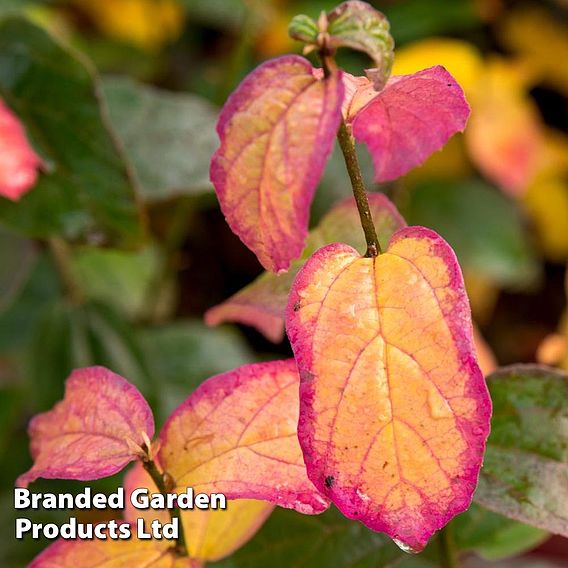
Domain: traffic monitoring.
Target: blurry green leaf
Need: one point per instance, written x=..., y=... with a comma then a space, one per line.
x=170, y=137
x=69, y=336
x=18, y=321
x=17, y=258
x=415, y=19
x=121, y=279
x=85, y=192
x=482, y=225
x=219, y=14
x=181, y=355
x=525, y=472
x=291, y=540
x=303, y=28
x=493, y=536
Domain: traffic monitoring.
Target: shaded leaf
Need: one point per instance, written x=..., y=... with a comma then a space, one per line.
x=88, y=435
x=85, y=192
x=485, y=228
x=289, y=540
x=237, y=434
x=413, y=117
x=262, y=303
x=209, y=534
x=525, y=472
x=168, y=136
x=394, y=411
x=277, y=131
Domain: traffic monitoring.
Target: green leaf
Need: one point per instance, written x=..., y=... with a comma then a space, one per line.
x=169, y=137
x=85, y=192
x=493, y=536
x=483, y=226
x=359, y=26
x=182, y=355
x=69, y=336
x=291, y=540
x=525, y=473
x=121, y=279
x=17, y=259
x=303, y=28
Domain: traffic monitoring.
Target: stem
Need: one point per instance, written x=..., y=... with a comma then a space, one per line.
x=62, y=257
x=158, y=478
x=347, y=145
x=448, y=556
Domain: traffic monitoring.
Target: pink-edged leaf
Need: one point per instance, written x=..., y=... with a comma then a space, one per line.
x=18, y=161
x=112, y=553
x=237, y=434
x=93, y=432
x=394, y=410
x=262, y=303
x=210, y=535
x=413, y=117
x=276, y=131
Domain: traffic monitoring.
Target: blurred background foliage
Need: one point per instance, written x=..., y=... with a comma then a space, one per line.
x=115, y=256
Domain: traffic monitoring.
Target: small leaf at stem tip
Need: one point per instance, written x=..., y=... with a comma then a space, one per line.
x=525, y=471
x=262, y=303
x=359, y=26
x=413, y=117
x=112, y=553
x=18, y=161
x=209, y=534
x=277, y=131
x=303, y=28
x=237, y=434
x=393, y=405
x=96, y=430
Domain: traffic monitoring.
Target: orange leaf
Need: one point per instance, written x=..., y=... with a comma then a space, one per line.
x=111, y=554
x=237, y=434
x=93, y=432
x=277, y=131
x=394, y=411
x=209, y=534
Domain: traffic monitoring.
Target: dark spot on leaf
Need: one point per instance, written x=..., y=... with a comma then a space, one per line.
x=297, y=306
x=385, y=464
x=329, y=480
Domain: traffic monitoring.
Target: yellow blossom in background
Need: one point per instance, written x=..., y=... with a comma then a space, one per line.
x=147, y=24
x=541, y=41
x=547, y=197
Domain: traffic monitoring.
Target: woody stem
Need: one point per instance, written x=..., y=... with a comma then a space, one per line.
x=158, y=479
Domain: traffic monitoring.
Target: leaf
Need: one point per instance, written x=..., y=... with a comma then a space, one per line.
x=236, y=434
x=394, y=411
x=525, y=473
x=493, y=536
x=18, y=257
x=86, y=193
x=277, y=131
x=181, y=355
x=504, y=136
x=110, y=553
x=121, y=279
x=263, y=302
x=169, y=137
x=289, y=540
x=359, y=26
x=89, y=434
x=209, y=534
x=501, y=250
x=18, y=161
x=414, y=116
